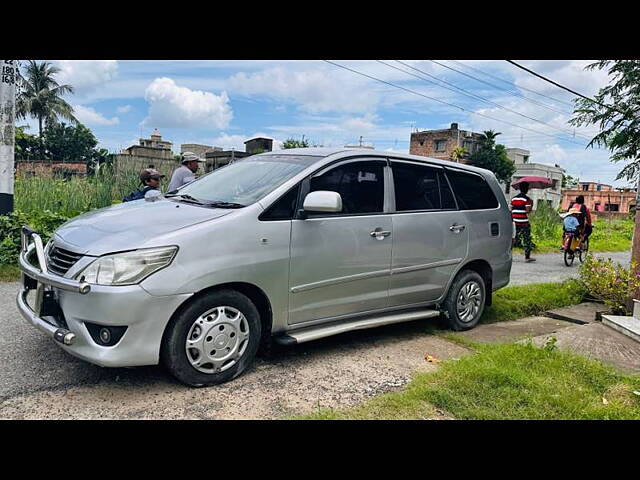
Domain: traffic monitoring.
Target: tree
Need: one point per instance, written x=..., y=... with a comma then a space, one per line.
x=459, y=153
x=569, y=182
x=616, y=111
x=493, y=157
x=40, y=96
x=70, y=143
x=293, y=143
x=27, y=147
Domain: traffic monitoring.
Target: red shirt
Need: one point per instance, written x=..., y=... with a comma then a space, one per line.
x=519, y=205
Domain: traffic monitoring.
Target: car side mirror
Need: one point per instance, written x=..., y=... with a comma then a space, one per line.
x=323, y=201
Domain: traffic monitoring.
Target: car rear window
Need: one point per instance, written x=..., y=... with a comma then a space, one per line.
x=471, y=190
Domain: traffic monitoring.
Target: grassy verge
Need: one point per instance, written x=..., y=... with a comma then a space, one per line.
x=512, y=381
x=511, y=303
x=9, y=273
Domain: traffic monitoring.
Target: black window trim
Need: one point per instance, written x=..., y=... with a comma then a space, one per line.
x=447, y=168
x=422, y=164
x=305, y=186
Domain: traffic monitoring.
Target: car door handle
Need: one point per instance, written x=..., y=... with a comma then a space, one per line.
x=456, y=228
x=380, y=234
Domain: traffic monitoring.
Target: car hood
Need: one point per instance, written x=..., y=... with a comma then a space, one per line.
x=130, y=225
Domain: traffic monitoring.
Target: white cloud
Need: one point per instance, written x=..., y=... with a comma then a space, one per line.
x=315, y=90
x=124, y=109
x=179, y=107
x=86, y=75
x=89, y=116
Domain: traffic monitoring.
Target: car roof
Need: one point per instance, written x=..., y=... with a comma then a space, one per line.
x=337, y=152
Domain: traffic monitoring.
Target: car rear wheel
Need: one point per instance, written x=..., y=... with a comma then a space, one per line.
x=213, y=340
x=465, y=301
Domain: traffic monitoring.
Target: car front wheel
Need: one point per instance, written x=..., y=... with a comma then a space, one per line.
x=213, y=340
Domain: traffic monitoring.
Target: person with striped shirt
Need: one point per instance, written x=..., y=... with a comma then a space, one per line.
x=521, y=205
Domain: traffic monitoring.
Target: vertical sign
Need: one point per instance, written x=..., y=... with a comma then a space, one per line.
x=8, y=76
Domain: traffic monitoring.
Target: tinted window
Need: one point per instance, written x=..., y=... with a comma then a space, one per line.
x=448, y=203
x=284, y=207
x=360, y=184
x=472, y=191
x=416, y=187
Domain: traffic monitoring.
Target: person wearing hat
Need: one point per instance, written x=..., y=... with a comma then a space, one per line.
x=185, y=173
x=150, y=182
x=571, y=224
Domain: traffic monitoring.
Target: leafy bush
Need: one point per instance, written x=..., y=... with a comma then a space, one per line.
x=611, y=283
x=45, y=223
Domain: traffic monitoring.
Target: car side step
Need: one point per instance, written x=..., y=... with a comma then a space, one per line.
x=321, y=331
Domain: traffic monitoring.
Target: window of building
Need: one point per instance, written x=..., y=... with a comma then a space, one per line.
x=472, y=191
x=585, y=187
x=440, y=145
x=611, y=207
x=599, y=188
x=360, y=184
x=525, y=158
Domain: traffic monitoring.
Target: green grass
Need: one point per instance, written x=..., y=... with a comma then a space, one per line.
x=509, y=381
x=609, y=235
x=511, y=303
x=9, y=273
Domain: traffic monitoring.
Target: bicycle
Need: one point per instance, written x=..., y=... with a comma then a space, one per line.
x=572, y=244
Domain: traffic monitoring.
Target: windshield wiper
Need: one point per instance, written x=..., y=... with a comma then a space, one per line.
x=187, y=197
x=221, y=204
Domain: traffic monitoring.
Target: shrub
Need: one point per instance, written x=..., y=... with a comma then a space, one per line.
x=45, y=223
x=611, y=283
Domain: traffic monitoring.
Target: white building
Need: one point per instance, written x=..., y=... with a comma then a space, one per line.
x=525, y=168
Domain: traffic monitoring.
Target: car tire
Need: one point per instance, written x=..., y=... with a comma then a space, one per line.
x=465, y=301
x=213, y=340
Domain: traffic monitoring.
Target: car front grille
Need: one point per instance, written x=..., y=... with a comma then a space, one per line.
x=59, y=260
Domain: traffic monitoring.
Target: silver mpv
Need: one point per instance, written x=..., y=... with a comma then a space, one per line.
x=286, y=246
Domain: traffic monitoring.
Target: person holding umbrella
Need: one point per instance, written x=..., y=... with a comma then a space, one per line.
x=521, y=205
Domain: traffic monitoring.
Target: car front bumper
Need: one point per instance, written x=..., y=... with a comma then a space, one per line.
x=144, y=315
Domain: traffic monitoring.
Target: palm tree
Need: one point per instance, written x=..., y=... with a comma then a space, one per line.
x=488, y=139
x=40, y=95
x=459, y=153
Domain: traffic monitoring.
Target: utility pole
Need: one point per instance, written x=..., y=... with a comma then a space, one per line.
x=361, y=140
x=8, y=75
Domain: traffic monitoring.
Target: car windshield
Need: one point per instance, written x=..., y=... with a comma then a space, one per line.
x=246, y=181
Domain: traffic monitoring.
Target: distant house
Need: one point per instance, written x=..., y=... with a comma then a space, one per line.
x=524, y=168
x=441, y=143
x=152, y=148
x=599, y=197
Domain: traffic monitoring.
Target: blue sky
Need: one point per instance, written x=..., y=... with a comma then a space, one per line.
x=224, y=103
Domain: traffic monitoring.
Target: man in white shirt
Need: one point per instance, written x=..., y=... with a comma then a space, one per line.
x=186, y=173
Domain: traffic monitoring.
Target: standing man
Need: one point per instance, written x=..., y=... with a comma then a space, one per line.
x=521, y=205
x=186, y=173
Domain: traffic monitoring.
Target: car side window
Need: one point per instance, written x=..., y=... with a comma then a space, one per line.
x=360, y=184
x=283, y=208
x=416, y=187
x=471, y=190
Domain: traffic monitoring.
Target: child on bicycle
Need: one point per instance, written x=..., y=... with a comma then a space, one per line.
x=571, y=226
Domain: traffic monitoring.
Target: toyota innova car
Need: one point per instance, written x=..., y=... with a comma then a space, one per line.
x=286, y=246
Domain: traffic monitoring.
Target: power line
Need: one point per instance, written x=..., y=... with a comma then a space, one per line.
x=511, y=92
x=447, y=103
x=556, y=84
x=510, y=83
x=467, y=93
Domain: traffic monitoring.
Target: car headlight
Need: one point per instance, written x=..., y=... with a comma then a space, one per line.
x=127, y=268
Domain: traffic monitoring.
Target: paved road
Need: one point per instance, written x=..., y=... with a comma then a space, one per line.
x=550, y=267
x=30, y=362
